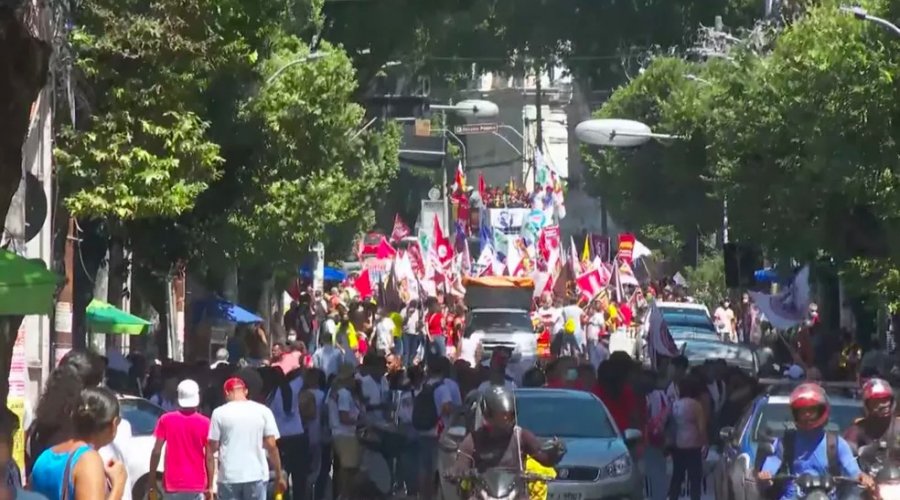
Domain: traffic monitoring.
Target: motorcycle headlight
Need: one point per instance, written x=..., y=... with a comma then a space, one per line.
x=485, y=496
x=618, y=467
x=889, y=491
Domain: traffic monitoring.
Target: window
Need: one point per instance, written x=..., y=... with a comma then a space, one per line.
x=141, y=414
x=583, y=417
x=500, y=321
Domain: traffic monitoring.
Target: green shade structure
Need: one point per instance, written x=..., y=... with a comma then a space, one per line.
x=26, y=286
x=106, y=318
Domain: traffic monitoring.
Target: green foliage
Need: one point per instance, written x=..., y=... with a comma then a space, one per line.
x=665, y=241
x=706, y=281
x=800, y=140
x=314, y=172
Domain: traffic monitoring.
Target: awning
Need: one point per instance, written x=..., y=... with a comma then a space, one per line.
x=331, y=273
x=26, y=286
x=222, y=310
x=107, y=318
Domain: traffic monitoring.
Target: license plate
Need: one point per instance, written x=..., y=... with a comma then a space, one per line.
x=565, y=496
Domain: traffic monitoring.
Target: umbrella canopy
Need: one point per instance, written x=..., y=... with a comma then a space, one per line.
x=107, y=318
x=26, y=286
x=331, y=274
x=222, y=310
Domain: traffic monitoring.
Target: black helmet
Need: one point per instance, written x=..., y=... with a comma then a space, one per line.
x=496, y=400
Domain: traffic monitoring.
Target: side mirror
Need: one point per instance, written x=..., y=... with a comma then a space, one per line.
x=632, y=436
x=726, y=434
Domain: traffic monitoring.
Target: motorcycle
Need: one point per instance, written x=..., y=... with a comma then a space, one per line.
x=381, y=446
x=496, y=484
x=814, y=486
x=875, y=460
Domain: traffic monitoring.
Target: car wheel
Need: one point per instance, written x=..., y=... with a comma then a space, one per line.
x=139, y=490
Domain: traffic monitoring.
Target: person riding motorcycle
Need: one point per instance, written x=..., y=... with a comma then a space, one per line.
x=499, y=443
x=809, y=444
x=875, y=425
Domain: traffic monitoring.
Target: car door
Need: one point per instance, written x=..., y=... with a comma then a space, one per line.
x=731, y=450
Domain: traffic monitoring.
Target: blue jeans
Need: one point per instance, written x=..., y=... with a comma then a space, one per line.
x=255, y=490
x=183, y=496
x=655, y=475
x=411, y=344
x=398, y=346
x=438, y=346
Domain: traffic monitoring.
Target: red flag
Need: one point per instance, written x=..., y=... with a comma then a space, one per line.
x=442, y=247
x=400, y=231
x=384, y=250
x=589, y=284
x=626, y=247
x=415, y=259
x=363, y=284
x=482, y=186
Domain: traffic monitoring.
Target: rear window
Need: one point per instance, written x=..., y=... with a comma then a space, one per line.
x=718, y=350
x=689, y=321
x=500, y=321
x=775, y=419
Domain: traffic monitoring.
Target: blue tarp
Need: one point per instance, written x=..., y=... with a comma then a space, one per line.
x=222, y=310
x=331, y=274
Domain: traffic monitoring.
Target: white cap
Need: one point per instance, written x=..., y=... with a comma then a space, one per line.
x=188, y=394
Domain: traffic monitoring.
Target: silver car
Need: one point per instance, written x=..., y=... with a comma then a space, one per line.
x=506, y=328
x=599, y=462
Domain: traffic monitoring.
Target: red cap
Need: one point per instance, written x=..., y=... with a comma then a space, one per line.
x=234, y=383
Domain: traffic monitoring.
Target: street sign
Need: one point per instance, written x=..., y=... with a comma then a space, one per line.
x=476, y=128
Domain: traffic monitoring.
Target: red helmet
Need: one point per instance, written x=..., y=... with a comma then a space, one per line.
x=806, y=396
x=878, y=390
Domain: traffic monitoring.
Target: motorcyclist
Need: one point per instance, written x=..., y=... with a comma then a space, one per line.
x=878, y=408
x=500, y=442
x=810, y=454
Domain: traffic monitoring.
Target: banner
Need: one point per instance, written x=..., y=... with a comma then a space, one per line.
x=626, y=247
x=601, y=246
x=508, y=219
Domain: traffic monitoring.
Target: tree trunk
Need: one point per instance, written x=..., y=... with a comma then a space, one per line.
x=24, y=63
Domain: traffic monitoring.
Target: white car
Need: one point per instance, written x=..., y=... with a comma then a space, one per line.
x=508, y=328
x=136, y=448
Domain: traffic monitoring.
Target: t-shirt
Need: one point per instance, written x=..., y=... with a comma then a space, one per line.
x=384, y=335
x=340, y=401
x=621, y=408
x=185, y=434
x=240, y=428
x=373, y=394
x=435, y=324
x=288, y=419
x=288, y=361
x=724, y=320
x=411, y=323
x=573, y=313
x=314, y=427
x=114, y=451
x=595, y=326
x=690, y=425
x=328, y=359
x=468, y=348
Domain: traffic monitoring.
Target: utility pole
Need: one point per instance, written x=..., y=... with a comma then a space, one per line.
x=62, y=321
x=539, y=131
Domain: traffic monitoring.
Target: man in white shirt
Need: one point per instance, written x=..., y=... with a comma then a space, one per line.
x=725, y=321
x=343, y=416
x=428, y=439
x=370, y=380
x=412, y=332
x=244, y=434
x=384, y=334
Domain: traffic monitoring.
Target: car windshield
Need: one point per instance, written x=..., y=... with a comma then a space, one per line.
x=683, y=331
x=693, y=322
x=504, y=321
x=141, y=414
x=700, y=351
x=774, y=419
x=584, y=417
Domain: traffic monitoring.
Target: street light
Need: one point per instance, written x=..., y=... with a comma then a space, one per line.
x=615, y=132
x=312, y=56
x=470, y=108
x=861, y=14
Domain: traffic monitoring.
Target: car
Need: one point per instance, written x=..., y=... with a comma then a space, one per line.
x=691, y=333
x=598, y=463
x=142, y=416
x=506, y=327
x=686, y=315
x=699, y=351
x=767, y=417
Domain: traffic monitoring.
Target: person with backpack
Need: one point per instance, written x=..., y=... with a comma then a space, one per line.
x=810, y=448
x=658, y=412
x=432, y=401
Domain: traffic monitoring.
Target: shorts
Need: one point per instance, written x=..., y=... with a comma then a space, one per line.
x=348, y=452
x=428, y=452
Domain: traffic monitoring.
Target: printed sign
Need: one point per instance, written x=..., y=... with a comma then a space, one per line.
x=626, y=247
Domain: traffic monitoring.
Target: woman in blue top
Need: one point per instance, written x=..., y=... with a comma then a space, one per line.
x=73, y=469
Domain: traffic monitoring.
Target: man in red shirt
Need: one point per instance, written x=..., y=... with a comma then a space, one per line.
x=434, y=321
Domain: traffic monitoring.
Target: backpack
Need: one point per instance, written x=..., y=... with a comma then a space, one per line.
x=656, y=426
x=425, y=414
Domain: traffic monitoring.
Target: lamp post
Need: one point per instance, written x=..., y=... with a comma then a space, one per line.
x=616, y=133
x=861, y=14
x=312, y=56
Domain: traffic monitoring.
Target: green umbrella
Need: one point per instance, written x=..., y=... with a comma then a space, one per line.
x=26, y=286
x=106, y=318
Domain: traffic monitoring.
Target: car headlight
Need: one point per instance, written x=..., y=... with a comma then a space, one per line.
x=618, y=467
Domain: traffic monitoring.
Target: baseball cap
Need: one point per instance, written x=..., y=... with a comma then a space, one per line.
x=233, y=384
x=188, y=394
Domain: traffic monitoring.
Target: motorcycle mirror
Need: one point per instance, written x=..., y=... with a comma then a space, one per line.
x=632, y=436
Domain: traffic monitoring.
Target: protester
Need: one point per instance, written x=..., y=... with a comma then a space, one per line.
x=184, y=432
x=244, y=434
